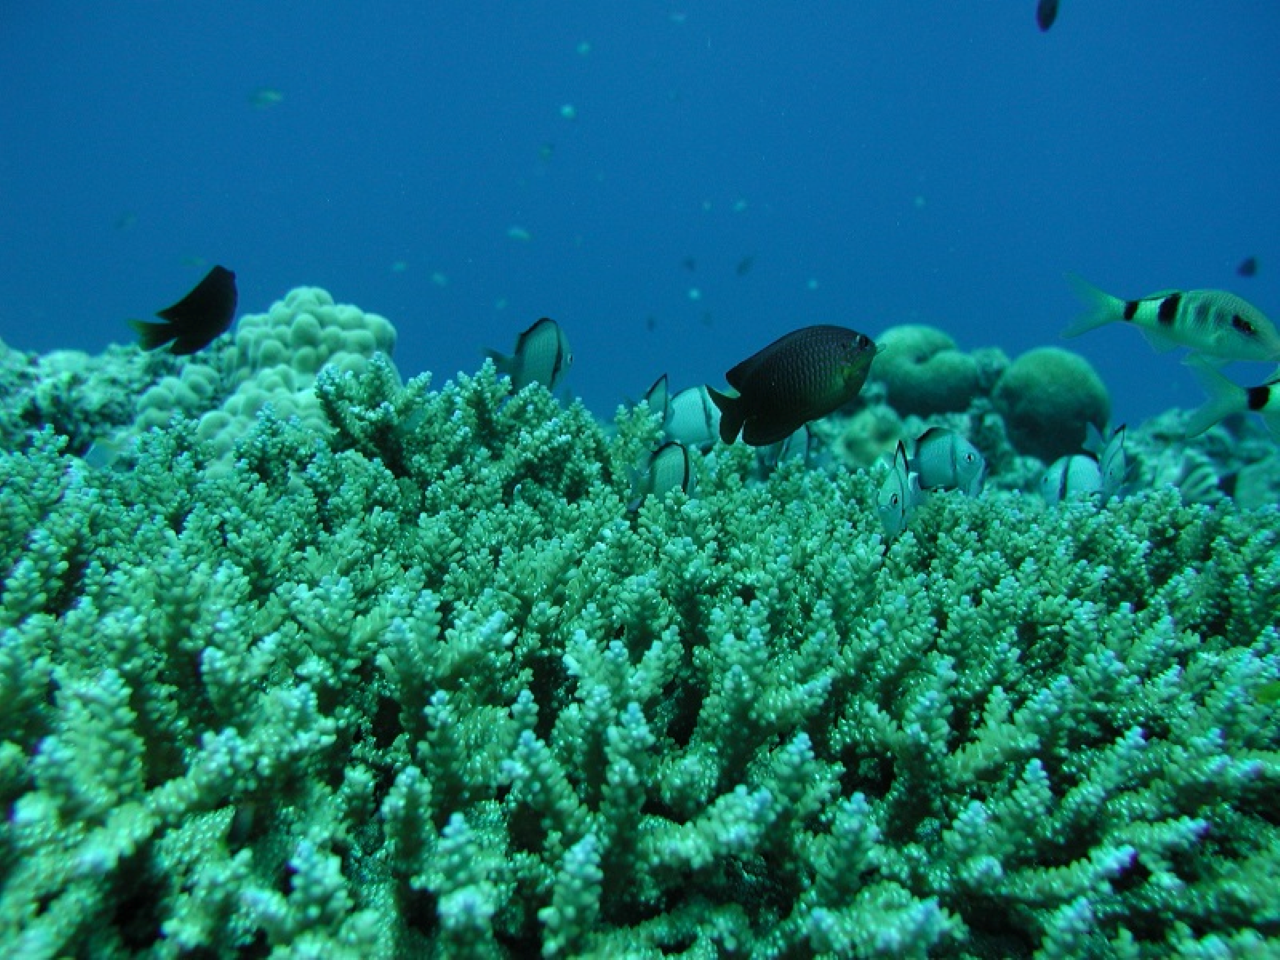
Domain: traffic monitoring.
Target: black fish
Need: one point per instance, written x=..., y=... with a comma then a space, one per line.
x=1248, y=267
x=197, y=319
x=800, y=377
x=1046, y=13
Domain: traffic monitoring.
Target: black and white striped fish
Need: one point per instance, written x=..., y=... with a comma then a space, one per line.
x=541, y=356
x=1213, y=323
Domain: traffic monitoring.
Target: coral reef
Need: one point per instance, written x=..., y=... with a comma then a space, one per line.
x=418, y=683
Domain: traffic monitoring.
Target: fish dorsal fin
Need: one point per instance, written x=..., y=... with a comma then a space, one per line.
x=215, y=295
x=741, y=373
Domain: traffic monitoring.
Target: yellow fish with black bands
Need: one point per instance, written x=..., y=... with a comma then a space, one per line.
x=800, y=377
x=1213, y=323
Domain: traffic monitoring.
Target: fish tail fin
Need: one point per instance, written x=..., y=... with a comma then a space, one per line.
x=1225, y=397
x=1102, y=308
x=152, y=335
x=731, y=418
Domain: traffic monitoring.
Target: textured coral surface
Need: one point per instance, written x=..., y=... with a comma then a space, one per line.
x=416, y=682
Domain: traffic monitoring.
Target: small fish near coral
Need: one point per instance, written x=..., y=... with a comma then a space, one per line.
x=1068, y=478
x=1113, y=461
x=694, y=419
x=899, y=495
x=1215, y=323
x=1102, y=469
x=945, y=460
x=196, y=320
x=668, y=468
x=658, y=398
x=802, y=376
x=542, y=356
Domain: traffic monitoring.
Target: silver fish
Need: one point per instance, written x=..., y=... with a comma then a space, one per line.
x=694, y=419
x=899, y=495
x=658, y=397
x=1214, y=323
x=796, y=446
x=1067, y=477
x=669, y=468
x=541, y=356
x=1113, y=463
x=946, y=460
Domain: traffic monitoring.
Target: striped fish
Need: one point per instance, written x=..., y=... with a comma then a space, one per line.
x=1227, y=398
x=1213, y=323
x=541, y=356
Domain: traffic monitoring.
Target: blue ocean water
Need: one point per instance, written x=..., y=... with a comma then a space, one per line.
x=676, y=183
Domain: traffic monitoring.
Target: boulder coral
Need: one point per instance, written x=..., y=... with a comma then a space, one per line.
x=924, y=373
x=1047, y=397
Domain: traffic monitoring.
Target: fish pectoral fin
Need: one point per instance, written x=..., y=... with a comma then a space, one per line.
x=1160, y=341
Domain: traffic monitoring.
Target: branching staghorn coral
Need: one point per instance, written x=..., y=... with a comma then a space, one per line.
x=421, y=682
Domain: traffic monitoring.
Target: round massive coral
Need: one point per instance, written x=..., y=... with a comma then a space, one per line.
x=923, y=371
x=1046, y=397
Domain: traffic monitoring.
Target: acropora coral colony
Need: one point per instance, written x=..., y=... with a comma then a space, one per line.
x=322, y=664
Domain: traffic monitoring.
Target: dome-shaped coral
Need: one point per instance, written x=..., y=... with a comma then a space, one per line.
x=1046, y=397
x=923, y=371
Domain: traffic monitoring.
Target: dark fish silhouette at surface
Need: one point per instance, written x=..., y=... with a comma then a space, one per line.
x=800, y=377
x=1046, y=13
x=196, y=320
x=1248, y=267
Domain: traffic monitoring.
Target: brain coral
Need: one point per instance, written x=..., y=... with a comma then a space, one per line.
x=923, y=371
x=1046, y=397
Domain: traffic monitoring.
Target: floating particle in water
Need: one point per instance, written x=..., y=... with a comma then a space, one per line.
x=266, y=97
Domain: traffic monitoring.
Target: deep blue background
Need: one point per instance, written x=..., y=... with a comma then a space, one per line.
x=882, y=162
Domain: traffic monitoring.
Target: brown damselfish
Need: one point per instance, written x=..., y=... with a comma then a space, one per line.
x=800, y=377
x=197, y=319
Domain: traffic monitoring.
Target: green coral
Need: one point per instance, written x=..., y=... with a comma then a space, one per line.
x=1047, y=398
x=924, y=373
x=419, y=682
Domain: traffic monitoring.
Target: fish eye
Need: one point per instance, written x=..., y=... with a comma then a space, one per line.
x=1243, y=325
